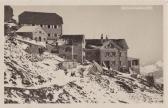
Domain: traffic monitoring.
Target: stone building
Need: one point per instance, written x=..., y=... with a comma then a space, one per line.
x=72, y=47
x=134, y=65
x=32, y=33
x=111, y=53
x=50, y=22
x=34, y=36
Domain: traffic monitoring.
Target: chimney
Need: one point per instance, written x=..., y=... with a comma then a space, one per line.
x=106, y=38
x=102, y=38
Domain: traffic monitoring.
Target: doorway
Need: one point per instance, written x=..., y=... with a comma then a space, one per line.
x=107, y=63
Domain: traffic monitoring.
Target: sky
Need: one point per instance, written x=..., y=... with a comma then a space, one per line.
x=141, y=26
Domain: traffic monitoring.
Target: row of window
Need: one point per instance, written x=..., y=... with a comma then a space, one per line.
x=55, y=35
x=48, y=26
x=112, y=54
x=112, y=62
x=39, y=38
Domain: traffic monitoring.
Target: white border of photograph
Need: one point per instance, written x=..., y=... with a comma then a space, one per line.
x=87, y=2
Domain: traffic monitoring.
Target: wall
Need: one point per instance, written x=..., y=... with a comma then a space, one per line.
x=68, y=65
x=135, y=68
x=124, y=59
x=92, y=54
x=53, y=31
x=113, y=59
x=40, y=33
x=33, y=49
x=50, y=31
x=77, y=51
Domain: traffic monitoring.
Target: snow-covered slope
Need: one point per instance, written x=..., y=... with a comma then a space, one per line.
x=38, y=79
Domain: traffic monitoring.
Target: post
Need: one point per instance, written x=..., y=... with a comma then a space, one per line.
x=72, y=53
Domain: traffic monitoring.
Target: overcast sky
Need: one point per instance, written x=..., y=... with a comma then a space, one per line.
x=140, y=26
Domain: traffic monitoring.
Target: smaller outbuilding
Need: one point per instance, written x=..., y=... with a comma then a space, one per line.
x=32, y=33
x=133, y=64
x=34, y=36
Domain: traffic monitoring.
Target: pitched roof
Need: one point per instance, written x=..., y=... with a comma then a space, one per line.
x=29, y=17
x=121, y=43
x=28, y=28
x=73, y=37
x=118, y=43
x=96, y=42
x=131, y=58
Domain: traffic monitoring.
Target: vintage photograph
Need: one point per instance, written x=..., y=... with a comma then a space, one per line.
x=83, y=54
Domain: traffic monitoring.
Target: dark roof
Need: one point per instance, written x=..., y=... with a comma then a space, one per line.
x=130, y=58
x=73, y=37
x=121, y=43
x=96, y=42
x=8, y=13
x=28, y=17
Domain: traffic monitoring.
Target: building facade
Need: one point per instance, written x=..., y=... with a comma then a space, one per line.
x=134, y=64
x=50, y=22
x=72, y=47
x=34, y=36
x=111, y=53
x=32, y=33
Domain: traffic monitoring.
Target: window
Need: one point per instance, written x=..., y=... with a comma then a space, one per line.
x=55, y=35
x=129, y=63
x=40, y=32
x=114, y=53
x=55, y=26
x=68, y=49
x=48, y=35
x=75, y=56
x=110, y=54
x=120, y=54
x=68, y=42
x=44, y=39
x=107, y=54
x=48, y=26
x=135, y=62
x=41, y=25
x=33, y=24
x=120, y=63
x=39, y=38
x=113, y=62
x=35, y=38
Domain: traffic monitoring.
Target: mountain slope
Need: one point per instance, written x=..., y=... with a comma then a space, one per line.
x=38, y=79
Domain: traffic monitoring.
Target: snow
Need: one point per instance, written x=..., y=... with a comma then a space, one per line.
x=43, y=44
x=27, y=28
x=46, y=77
x=11, y=24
